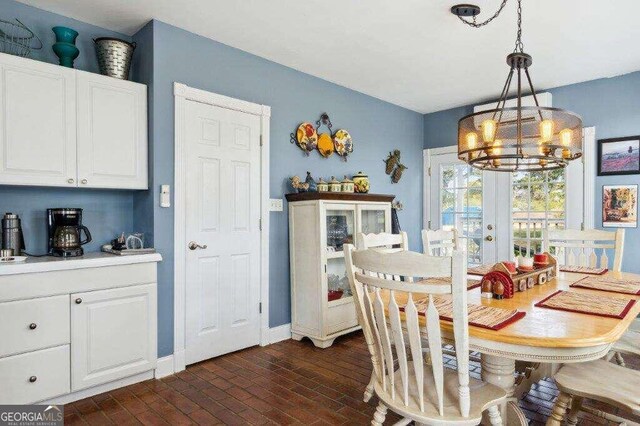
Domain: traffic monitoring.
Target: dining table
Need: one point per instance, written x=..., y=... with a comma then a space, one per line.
x=543, y=339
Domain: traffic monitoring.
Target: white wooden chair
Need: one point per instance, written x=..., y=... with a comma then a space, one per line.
x=599, y=380
x=426, y=394
x=580, y=248
x=575, y=247
x=383, y=242
x=440, y=242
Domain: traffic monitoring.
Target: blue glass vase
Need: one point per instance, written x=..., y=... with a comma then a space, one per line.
x=65, y=47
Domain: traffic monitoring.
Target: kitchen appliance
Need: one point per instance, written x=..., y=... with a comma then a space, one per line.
x=12, y=237
x=64, y=229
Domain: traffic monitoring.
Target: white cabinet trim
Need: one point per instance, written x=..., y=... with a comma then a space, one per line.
x=182, y=93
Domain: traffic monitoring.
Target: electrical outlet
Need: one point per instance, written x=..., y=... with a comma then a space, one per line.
x=275, y=205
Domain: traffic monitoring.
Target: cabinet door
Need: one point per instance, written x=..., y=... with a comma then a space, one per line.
x=112, y=132
x=37, y=123
x=374, y=218
x=113, y=334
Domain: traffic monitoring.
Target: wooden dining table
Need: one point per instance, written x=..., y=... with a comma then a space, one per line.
x=545, y=338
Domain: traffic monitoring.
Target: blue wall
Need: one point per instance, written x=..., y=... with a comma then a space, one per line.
x=377, y=127
x=612, y=105
x=106, y=212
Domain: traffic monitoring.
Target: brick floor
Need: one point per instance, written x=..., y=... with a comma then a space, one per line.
x=286, y=383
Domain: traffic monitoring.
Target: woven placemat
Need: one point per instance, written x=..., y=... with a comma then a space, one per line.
x=592, y=304
x=479, y=315
x=471, y=283
x=583, y=269
x=480, y=270
x=610, y=284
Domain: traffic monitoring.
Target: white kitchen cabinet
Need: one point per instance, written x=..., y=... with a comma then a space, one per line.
x=113, y=334
x=72, y=328
x=64, y=127
x=320, y=223
x=37, y=123
x=112, y=132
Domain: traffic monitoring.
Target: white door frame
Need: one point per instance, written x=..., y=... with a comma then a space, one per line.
x=589, y=176
x=183, y=93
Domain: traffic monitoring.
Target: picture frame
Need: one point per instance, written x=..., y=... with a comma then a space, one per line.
x=619, y=156
x=620, y=206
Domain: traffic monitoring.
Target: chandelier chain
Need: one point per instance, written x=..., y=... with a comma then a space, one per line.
x=519, y=46
x=475, y=24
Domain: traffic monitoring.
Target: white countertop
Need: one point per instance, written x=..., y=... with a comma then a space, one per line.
x=89, y=260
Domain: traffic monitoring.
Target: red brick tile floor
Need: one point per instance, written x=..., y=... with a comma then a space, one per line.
x=286, y=383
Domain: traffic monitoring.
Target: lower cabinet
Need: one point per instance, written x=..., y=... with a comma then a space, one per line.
x=113, y=334
x=34, y=376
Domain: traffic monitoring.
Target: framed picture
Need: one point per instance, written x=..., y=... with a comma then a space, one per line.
x=619, y=156
x=620, y=206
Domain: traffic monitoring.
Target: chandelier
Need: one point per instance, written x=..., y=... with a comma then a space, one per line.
x=520, y=138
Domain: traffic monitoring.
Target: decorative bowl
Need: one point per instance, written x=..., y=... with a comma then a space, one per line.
x=335, y=294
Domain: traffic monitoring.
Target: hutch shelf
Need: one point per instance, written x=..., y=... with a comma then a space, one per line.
x=320, y=223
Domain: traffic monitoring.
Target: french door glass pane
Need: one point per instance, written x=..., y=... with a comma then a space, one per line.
x=461, y=206
x=538, y=202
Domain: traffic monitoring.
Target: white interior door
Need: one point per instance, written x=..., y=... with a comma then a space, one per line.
x=222, y=223
x=464, y=198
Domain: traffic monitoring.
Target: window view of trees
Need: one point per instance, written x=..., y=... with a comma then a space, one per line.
x=538, y=203
x=461, y=206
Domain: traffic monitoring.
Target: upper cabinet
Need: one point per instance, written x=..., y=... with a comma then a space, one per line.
x=112, y=132
x=64, y=127
x=37, y=123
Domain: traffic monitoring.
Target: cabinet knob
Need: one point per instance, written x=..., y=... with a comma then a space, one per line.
x=78, y=301
x=33, y=326
x=83, y=181
x=70, y=180
x=32, y=379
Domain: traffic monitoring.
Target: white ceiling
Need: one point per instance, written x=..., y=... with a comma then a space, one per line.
x=412, y=53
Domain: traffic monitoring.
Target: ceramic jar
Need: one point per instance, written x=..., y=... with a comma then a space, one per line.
x=361, y=183
x=323, y=186
x=347, y=185
x=334, y=185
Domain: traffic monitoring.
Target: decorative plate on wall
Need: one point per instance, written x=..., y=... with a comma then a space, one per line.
x=343, y=143
x=306, y=137
x=325, y=145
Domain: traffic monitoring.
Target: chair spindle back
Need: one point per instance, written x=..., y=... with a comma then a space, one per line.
x=441, y=242
x=373, y=278
x=581, y=248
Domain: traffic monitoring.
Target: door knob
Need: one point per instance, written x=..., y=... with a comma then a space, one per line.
x=33, y=379
x=83, y=181
x=33, y=326
x=489, y=227
x=70, y=180
x=193, y=246
x=78, y=301
x=489, y=238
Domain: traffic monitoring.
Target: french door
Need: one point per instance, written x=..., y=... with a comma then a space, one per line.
x=500, y=215
x=463, y=197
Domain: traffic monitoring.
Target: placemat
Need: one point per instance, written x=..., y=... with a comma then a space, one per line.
x=592, y=304
x=480, y=270
x=479, y=315
x=610, y=284
x=583, y=269
x=471, y=283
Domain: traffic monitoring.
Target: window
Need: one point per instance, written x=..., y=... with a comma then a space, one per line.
x=539, y=201
x=461, y=206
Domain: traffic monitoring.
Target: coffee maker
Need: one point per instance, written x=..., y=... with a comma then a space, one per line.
x=64, y=229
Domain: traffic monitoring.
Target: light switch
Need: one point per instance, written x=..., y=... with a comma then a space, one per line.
x=275, y=205
x=165, y=196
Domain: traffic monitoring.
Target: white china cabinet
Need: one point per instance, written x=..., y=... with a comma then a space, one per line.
x=320, y=223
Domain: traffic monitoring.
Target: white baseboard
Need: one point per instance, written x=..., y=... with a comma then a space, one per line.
x=280, y=333
x=164, y=367
x=179, y=361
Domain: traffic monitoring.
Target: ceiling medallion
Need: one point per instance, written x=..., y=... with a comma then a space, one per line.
x=520, y=138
